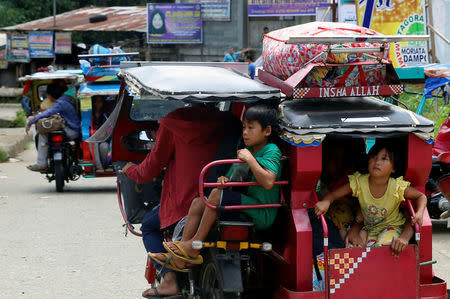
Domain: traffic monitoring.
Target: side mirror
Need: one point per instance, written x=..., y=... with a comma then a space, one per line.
x=141, y=142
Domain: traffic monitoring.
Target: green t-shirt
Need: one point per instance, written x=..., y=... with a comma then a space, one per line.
x=268, y=157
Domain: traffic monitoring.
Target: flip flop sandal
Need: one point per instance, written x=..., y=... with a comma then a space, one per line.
x=157, y=295
x=185, y=257
x=36, y=168
x=168, y=263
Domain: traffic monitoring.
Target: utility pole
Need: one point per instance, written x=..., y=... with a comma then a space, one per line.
x=54, y=13
x=334, y=5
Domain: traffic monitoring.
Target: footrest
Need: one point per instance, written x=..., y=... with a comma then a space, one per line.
x=85, y=164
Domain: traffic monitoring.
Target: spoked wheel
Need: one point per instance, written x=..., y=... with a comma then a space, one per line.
x=59, y=176
x=211, y=280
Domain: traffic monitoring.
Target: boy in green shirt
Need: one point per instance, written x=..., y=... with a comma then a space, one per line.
x=263, y=159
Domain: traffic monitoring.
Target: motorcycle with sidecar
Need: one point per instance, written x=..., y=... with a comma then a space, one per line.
x=241, y=262
x=71, y=159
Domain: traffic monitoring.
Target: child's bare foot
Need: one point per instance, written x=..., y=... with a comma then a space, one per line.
x=183, y=250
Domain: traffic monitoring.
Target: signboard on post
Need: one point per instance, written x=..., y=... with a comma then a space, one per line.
x=174, y=24
x=214, y=10
x=347, y=11
x=397, y=18
x=284, y=8
x=63, y=43
x=41, y=44
x=17, y=48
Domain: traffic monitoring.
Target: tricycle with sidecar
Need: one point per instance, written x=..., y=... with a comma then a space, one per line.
x=240, y=262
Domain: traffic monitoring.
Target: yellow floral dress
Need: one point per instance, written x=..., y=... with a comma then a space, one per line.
x=382, y=217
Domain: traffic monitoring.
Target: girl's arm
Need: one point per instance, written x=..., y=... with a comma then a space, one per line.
x=414, y=194
x=264, y=176
x=322, y=206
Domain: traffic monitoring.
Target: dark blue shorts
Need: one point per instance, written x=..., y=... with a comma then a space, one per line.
x=231, y=198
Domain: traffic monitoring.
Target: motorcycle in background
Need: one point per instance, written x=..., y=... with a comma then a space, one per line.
x=438, y=185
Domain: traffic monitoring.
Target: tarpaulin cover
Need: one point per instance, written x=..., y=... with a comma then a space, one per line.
x=283, y=60
x=59, y=74
x=437, y=75
x=92, y=89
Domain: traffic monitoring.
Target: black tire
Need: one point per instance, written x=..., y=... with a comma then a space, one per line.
x=59, y=176
x=211, y=280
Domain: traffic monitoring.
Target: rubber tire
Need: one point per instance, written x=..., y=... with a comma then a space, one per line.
x=59, y=176
x=211, y=280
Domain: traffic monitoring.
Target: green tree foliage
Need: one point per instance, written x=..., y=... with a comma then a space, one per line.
x=435, y=110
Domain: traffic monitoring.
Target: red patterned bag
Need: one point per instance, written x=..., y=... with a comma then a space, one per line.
x=283, y=60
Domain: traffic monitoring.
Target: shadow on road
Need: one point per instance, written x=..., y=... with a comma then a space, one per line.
x=440, y=227
x=75, y=189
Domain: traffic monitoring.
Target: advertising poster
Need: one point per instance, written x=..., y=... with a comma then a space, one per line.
x=3, y=62
x=347, y=11
x=174, y=24
x=397, y=17
x=17, y=48
x=41, y=44
x=3, y=46
x=258, y=8
x=63, y=43
x=214, y=10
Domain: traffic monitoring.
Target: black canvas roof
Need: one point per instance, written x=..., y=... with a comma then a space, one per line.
x=196, y=83
x=346, y=115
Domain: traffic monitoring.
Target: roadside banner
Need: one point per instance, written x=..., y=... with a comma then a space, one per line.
x=347, y=11
x=3, y=62
x=63, y=42
x=41, y=44
x=214, y=10
x=174, y=24
x=258, y=8
x=17, y=48
x=397, y=17
x=3, y=46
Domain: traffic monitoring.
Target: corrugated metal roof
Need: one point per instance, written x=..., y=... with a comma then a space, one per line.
x=120, y=18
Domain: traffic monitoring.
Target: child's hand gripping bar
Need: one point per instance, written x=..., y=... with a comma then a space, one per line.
x=202, y=184
x=416, y=225
x=325, y=245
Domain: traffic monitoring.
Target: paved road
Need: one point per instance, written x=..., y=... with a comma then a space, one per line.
x=71, y=245
x=68, y=245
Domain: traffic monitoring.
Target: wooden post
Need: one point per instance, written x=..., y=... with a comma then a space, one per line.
x=432, y=51
x=334, y=10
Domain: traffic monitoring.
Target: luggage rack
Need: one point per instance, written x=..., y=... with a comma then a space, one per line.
x=295, y=87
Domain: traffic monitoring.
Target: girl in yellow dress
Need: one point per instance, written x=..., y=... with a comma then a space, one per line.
x=379, y=196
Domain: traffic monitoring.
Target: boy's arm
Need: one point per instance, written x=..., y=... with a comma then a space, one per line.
x=421, y=199
x=322, y=206
x=262, y=175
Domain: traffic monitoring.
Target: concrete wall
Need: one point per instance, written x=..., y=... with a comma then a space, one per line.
x=218, y=37
x=256, y=26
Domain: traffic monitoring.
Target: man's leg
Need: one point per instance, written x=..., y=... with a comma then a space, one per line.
x=152, y=238
x=42, y=150
x=151, y=231
x=169, y=286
